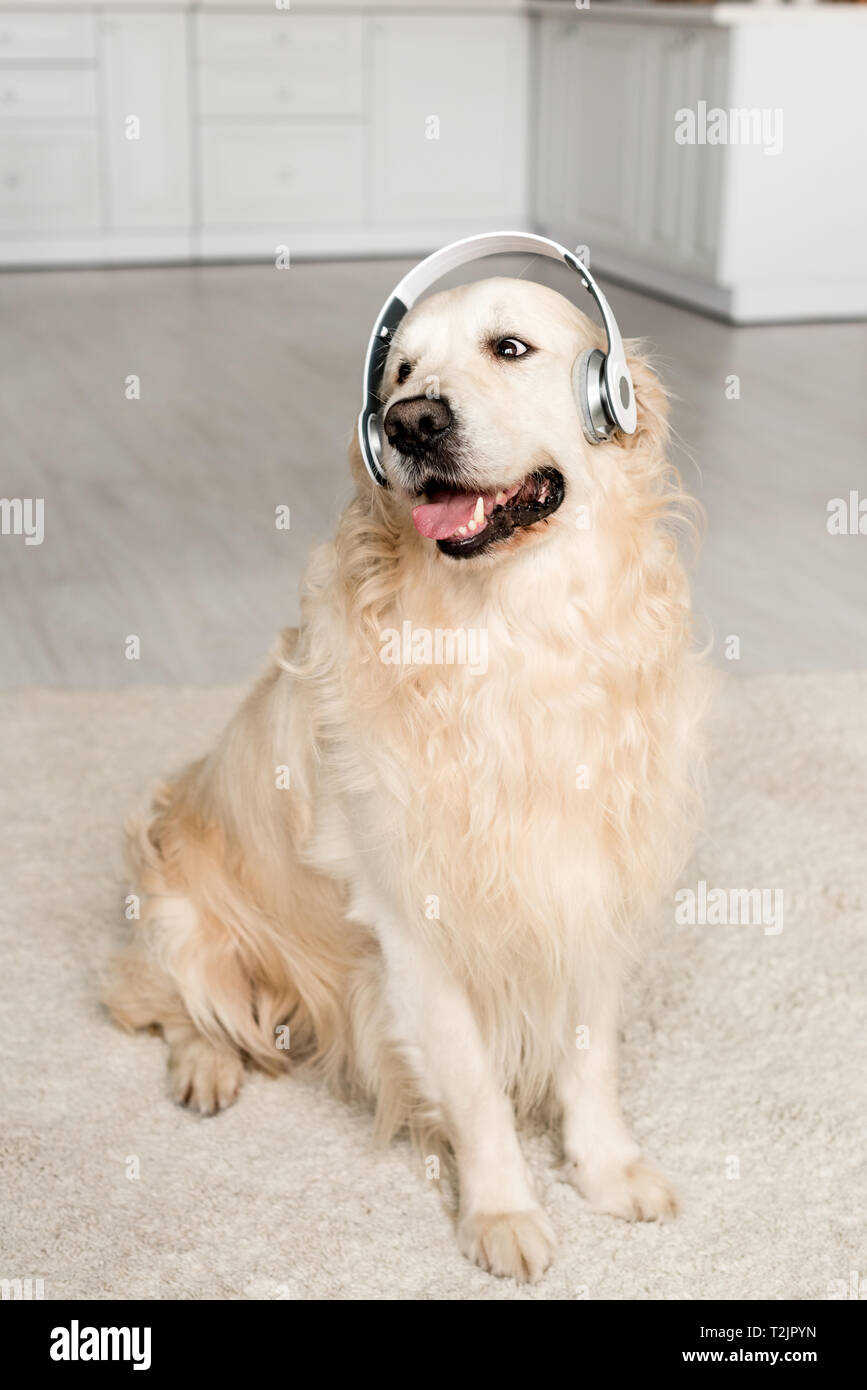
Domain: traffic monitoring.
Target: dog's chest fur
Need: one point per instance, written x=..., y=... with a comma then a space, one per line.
x=509, y=816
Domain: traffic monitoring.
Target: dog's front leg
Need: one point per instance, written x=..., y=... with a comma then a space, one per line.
x=501, y=1225
x=601, y=1157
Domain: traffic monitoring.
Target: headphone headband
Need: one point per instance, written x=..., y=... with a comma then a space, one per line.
x=607, y=393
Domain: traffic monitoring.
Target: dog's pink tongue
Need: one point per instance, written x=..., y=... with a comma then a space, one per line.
x=442, y=517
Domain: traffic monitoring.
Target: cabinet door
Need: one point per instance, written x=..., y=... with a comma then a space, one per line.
x=145, y=59
x=591, y=83
x=555, y=192
x=611, y=172
x=682, y=185
x=450, y=118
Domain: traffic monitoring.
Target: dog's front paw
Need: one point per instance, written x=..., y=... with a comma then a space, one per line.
x=204, y=1077
x=512, y=1244
x=634, y=1191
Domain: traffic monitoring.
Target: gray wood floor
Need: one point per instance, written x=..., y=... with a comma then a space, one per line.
x=159, y=513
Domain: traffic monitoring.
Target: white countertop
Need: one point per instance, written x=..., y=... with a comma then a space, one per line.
x=650, y=12
x=725, y=15
x=268, y=7
x=323, y=7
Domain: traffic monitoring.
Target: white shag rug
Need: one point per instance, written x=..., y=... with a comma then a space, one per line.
x=743, y=1070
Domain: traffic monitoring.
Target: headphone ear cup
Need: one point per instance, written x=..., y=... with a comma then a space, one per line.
x=584, y=364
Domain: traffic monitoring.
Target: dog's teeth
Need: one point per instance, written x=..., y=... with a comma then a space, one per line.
x=500, y=499
x=472, y=525
x=479, y=513
x=462, y=530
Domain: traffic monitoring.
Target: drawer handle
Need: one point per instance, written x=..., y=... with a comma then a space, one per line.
x=284, y=175
x=10, y=96
x=284, y=94
x=11, y=180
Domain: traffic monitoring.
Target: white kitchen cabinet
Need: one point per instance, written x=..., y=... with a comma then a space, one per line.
x=680, y=185
x=750, y=229
x=350, y=127
x=450, y=123
x=612, y=174
x=592, y=80
x=281, y=134
x=49, y=141
x=147, y=120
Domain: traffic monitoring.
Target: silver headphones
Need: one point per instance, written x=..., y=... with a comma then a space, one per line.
x=601, y=382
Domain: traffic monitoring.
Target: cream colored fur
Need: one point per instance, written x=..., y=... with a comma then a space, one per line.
x=464, y=863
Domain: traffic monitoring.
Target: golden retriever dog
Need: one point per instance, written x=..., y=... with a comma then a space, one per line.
x=427, y=846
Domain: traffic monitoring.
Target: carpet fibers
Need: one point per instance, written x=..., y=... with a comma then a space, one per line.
x=743, y=1069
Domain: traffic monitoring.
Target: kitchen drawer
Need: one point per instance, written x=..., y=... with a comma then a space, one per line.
x=42, y=92
x=48, y=179
x=290, y=174
x=293, y=89
x=256, y=65
x=25, y=36
x=250, y=40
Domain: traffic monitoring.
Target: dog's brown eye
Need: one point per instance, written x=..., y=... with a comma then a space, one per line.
x=403, y=371
x=511, y=347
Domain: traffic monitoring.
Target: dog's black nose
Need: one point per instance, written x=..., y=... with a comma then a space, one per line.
x=414, y=426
